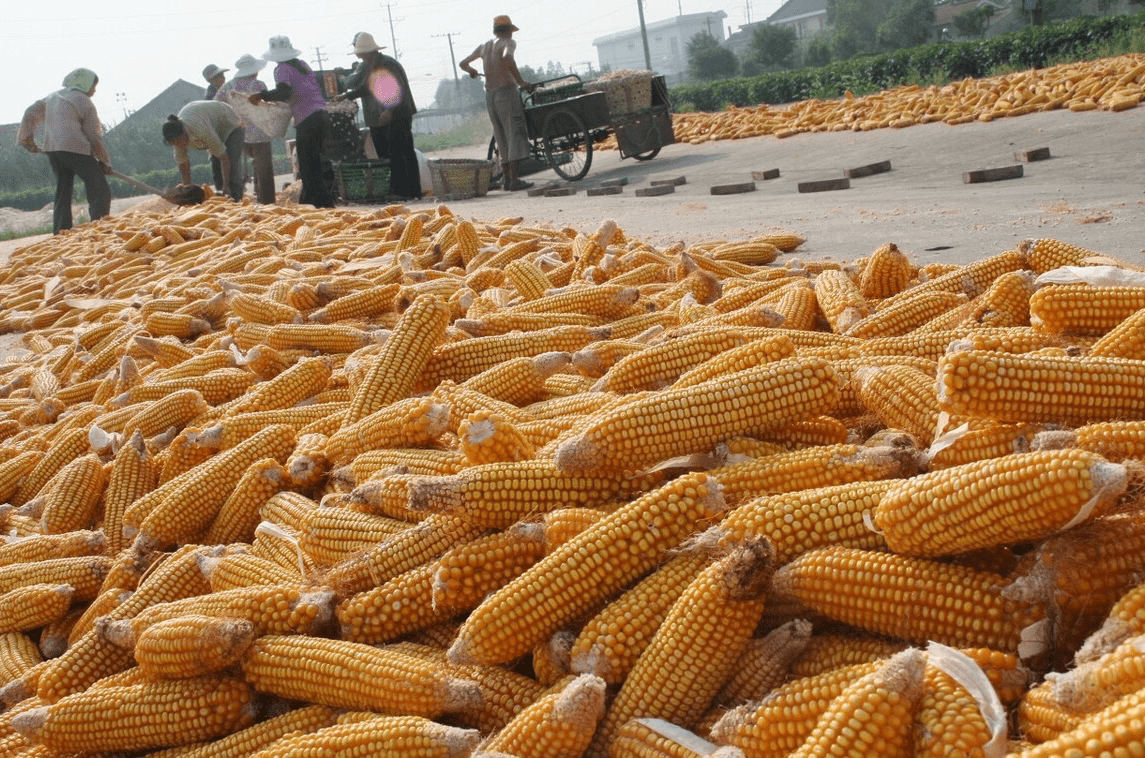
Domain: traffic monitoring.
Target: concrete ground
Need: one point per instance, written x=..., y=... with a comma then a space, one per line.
x=1090, y=192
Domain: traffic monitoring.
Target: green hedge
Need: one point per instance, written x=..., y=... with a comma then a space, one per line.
x=1032, y=47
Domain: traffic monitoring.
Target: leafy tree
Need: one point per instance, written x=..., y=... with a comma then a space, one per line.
x=772, y=47
x=818, y=51
x=459, y=92
x=973, y=22
x=708, y=61
x=855, y=26
x=909, y=23
x=1048, y=10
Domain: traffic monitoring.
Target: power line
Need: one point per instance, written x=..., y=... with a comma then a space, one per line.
x=452, y=59
x=393, y=40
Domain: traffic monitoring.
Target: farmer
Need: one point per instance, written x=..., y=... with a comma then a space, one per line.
x=258, y=145
x=212, y=126
x=501, y=98
x=73, y=141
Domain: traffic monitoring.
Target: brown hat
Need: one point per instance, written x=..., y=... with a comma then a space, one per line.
x=503, y=24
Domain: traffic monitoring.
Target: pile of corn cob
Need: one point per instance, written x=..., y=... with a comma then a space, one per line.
x=288, y=482
x=1113, y=84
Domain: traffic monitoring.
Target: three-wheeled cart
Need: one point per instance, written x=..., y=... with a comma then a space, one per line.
x=564, y=121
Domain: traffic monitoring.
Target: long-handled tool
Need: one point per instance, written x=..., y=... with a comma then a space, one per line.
x=181, y=195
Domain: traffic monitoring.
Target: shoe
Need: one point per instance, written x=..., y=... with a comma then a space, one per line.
x=520, y=184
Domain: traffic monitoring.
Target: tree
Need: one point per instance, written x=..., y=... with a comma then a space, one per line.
x=855, y=24
x=459, y=92
x=973, y=23
x=1048, y=10
x=708, y=61
x=909, y=23
x=772, y=47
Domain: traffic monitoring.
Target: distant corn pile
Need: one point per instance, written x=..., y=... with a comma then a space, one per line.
x=295, y=482
x=1113, y=84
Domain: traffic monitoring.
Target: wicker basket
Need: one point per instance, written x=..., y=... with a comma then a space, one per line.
x=273, y=119
x=629, y=92
x=459, y=178
x=362, y=181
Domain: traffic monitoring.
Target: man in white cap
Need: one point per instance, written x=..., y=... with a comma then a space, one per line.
x=73, y=142
x=243, y=84
x=502, y=99
x=215, y=77
x=387, y=108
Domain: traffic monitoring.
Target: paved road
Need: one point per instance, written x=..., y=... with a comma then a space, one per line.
x=1091, y=192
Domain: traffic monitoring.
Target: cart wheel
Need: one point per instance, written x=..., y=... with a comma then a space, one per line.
x=647, y=155
x=568, y=147
x=497, y=175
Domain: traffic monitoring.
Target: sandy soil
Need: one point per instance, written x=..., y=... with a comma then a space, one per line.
x=1090, y=192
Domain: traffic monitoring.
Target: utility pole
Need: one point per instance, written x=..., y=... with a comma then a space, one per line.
x=393, y=39
x=644, y=36
x=318, y=56
x=452, y=59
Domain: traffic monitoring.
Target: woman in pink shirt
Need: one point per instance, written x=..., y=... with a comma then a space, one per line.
x=73, y=141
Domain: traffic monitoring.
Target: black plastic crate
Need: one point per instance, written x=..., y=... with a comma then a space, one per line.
x=362, y=181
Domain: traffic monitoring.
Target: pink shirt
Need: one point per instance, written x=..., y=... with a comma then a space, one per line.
x=71, y=125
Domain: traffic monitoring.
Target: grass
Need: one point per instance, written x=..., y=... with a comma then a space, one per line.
x=9, y=235
x=473, y=131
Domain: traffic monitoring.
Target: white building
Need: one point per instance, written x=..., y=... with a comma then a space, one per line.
x=667, y=44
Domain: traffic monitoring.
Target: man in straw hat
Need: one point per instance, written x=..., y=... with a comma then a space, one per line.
x=502, y=99
x=387, y=108
x=258, y=143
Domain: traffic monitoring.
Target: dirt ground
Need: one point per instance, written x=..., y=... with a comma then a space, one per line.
x=1090, y=192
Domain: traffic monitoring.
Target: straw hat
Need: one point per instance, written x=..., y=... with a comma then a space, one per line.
x=503, y=24
x=211, y=71
x=248, y=65
x=364, y=43
x=281, y=50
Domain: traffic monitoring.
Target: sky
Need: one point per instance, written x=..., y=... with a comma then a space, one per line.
x=139, y=48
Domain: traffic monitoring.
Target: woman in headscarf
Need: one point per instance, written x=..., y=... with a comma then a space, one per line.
x=258, y=147
x=213, y=126
x=388, y=108
x=297, y=85
x=73, y=141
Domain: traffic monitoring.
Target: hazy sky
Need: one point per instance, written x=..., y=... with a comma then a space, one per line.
x=139, y=48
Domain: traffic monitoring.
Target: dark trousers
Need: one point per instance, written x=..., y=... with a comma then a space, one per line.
x=394, y=141
x=263, y=161
x=66, y=167
x=309, y=137
x=235, y=142
x=217, y=173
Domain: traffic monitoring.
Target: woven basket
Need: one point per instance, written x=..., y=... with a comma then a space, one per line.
x=459, y=178
x=272, y=119
x=625, y=94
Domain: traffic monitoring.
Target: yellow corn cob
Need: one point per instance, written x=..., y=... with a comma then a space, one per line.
x=901, y=397
x=189, y=507
x=558, y=725
x=304, y=379
x=609, y=644
x=967, y=444
x=906, y=314
x=262, y=310
x=609, y=302
x=661, y=365
x=814, y=432
x=826, y=652
x=657, y=738
x=1081, y=309
x=395, y=555
x=1012, y=499
x=238, y=516
x=245, y=742
x=888, y=271
x=403, y=358
x=405, y=423
x=141, y=716
x=877, y=709
x=233, y=429
x=497, y=495
x=181, y=325
x=503, y=322
x=699, y=642
x=308, y=465
x=216, y=387
x=370, y=302
x=85, y=574
x=325, y=338
x=397, y=607
x=73, y=500
x=244, y=570
x=1125, y=340
x=1117, y=727
x=862, y=581
x=196, y=365
x=526, y=610
x=14, y=470
x=70, y=446
x=381, y=736
x=174, y=410
x=33, y=606
x=1041, y=388
x=486, y=437
x=528, y=279
x=417, y=461
x=47, y=546
x=469, y=357
x=958, y=712
x=192, y=645
x=17, y=654
x=332, y=534
x=315, y=670
x=811, y=518
x=1044, y=255
x=812, y=467
x=519, y=381
x=662, y=425
x=465, y=575
x=563, y=524
x=588, y=250
x=463, y=401
x=840, y=300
